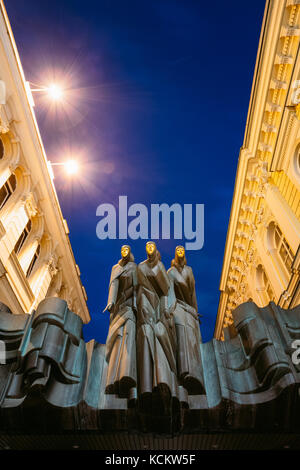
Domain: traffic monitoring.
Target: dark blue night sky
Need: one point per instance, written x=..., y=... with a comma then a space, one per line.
x=156, y=104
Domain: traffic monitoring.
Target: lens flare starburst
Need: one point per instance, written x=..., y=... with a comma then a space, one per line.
x=55, y=92
x=71, y=167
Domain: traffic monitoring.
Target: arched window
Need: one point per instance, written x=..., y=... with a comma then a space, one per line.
x=279, y=245
x=1, y=149
x=283, y=249
x=263, y=284
x=7, y=189
x=297, y=162
x=33, y=261
x=22, y=238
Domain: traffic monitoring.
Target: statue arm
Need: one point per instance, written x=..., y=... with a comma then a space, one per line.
x=171, y=294
x=112, y=295
x=194, y=298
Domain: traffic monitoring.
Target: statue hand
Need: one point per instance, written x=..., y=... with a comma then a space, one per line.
x=108, y=307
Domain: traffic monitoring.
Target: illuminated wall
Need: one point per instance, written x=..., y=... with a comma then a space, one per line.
x=262, y=256
x=36, y=259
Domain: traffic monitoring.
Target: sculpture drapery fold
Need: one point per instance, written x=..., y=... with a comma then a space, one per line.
x=187, y=324
x=156, y=336
x=246, y=376
x=121, y=340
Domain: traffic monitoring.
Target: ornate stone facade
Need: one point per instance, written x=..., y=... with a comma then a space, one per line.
x=36, y=259
x=262, y=256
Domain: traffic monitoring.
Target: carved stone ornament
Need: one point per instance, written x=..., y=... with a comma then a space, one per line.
x=30, y=206
x=3, y=128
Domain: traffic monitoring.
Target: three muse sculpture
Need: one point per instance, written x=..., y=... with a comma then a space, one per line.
x=153, y=344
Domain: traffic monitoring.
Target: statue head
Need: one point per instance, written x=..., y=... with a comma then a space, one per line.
x=126, y=254
x=180, y=251
x=179, y=260
x=152, y=252
x=125, y=250
x=150, y=248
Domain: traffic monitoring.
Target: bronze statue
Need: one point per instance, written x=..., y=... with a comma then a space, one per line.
x=187, y=324
x=156, y=335
x=121, y=341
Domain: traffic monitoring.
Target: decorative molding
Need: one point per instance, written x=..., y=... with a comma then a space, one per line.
x=289, y=31
x=30, y=205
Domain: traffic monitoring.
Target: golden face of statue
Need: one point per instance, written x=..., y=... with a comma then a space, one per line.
x=180, y=251
x=124, y=251
x=150, y=248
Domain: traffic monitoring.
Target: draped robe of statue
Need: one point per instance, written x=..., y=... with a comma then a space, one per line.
x=188, y=334
x=121, y=339
x=156, y=337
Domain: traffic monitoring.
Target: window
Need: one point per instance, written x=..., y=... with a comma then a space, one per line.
x=22, y=238
x=7, y=190
x=1, y=149
x=283, y=249
x=263, y=283
x=297, y=161
x=279, y=246
x=268, y=287
x=33, y=261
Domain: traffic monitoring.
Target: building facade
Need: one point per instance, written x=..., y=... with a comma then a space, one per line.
x=262, y=256
x=36, y=258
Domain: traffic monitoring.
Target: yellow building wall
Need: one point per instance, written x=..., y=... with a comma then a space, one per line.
x=33, y=198
x=262, y=255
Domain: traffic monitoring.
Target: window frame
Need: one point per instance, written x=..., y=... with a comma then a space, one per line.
x=33, y=261
x=10, y=187
x=23, y=237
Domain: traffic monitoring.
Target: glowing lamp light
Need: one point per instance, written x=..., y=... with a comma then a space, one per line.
x=71, y=167
x=55, y=92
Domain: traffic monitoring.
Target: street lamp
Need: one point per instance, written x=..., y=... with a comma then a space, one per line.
x=71, y=166
x=54, y=91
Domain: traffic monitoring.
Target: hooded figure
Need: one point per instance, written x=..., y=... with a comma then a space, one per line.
x=187, y=324
x=156, y=336
x=121, y=343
